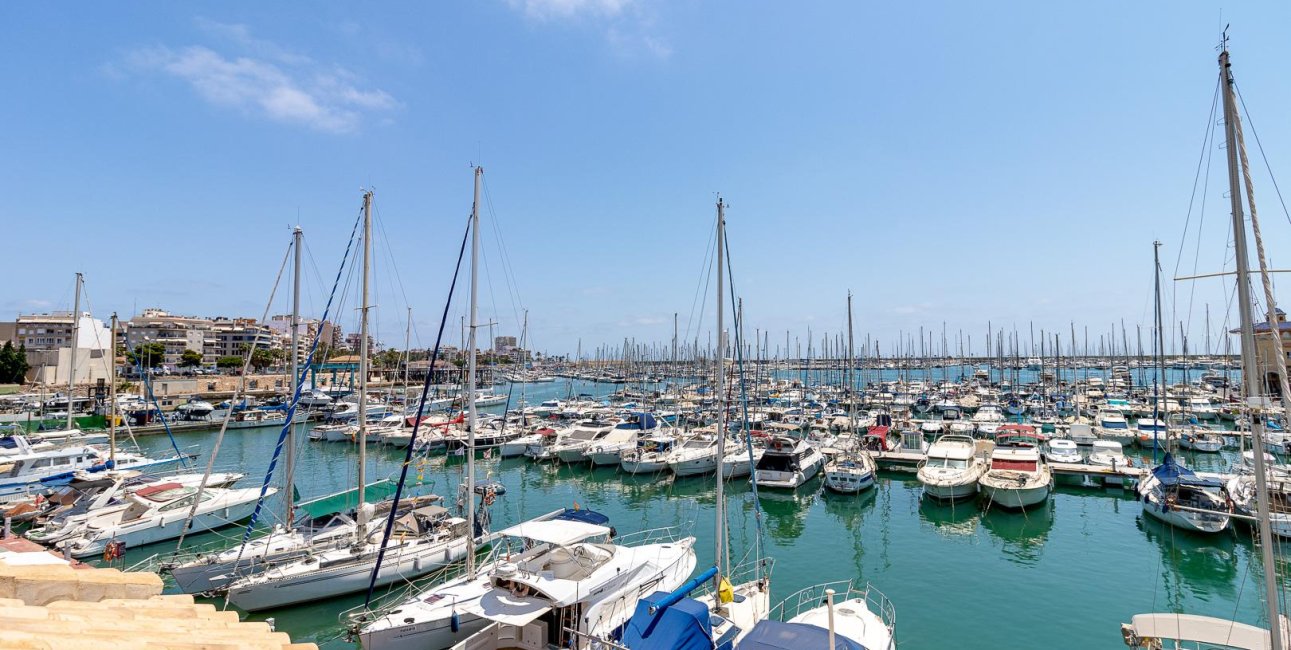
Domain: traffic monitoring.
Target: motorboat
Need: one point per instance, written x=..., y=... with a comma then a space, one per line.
x=623, y=437
x=564, y=572
x=1153, y=433
x=1018, y=476
x=787, y=463
x=584, y=433
x=26, y=468
x=157, y=513
x=1062, y=450
x=1112, y=425
x=649, y=456
x=1107, y=453
x=257, y=418
x=1170, y=485
x=697, y=455
x=952, y=468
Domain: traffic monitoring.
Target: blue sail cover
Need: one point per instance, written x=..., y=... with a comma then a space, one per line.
x=680, y=626
x=775, y=635
x=1171, y=473
x=642, y=422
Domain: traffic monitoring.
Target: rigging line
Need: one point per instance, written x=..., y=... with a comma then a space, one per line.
x=508, y=268
x=705, y=271
x=1206, y=152
x=228, y=415
x=416, y=427
x=390, y=253
x=309, y=361
x=1259, y=146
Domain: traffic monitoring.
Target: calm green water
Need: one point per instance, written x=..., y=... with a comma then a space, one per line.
x=1065, y=575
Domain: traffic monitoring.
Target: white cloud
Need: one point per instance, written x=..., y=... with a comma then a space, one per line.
x=627, y=25
x=291, y=91
x=549, y=9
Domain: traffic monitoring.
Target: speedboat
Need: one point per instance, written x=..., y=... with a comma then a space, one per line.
x=26, y=468
x=1018, y=476
x=952, y=469
x=1112, y=425
x=564, y=572
x=1171, y=485
x=787, y=463
x=1153, y=433
x=696, y=456
x=157, y=513
x=257, y=418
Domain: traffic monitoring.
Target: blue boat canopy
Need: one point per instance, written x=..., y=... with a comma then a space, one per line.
x=1171, y=473
x=639, y=421
x=585, y=516
x=775, y=635
x=681, y=626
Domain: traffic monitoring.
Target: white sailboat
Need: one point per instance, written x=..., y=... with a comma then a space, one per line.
x=427, y=537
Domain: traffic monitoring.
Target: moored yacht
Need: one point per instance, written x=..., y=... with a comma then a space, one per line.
x=1018, y=476
x=787, y=463
x=952, y=468
x=1171, y=485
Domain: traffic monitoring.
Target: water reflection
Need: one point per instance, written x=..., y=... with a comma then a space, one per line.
x=786, y=512
x=1193, y=565
x=950, y=519
x=1021, y=533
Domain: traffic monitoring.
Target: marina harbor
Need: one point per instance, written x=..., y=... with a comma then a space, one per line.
x=625, y=325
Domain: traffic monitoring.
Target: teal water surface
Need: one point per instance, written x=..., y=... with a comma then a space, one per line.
x=1065, y=575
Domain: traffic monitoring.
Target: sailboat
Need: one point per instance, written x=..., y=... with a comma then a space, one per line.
x=556, y=580
x=1149, y=630
x=427, y=536
x=853, y=470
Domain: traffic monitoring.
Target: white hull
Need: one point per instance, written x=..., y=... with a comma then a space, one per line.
x=400, y=564
x=164, y=528
x=1016, y=498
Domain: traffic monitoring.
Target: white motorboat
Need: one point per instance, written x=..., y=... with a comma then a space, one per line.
x=257, y=418
x=1171, y=485
x=952, y=468
x=850, y=473
x=607, y=450
x=1018, y=476
x=1062, y=450
x=584, y=433
x=156, y=513
x=1113, y=426
x=26, y=468
x=1107, y=453
x=696, y=456
x=787, y=463
x=565, y=572
x=424, y=540
x=91, y=495
x=649, y=456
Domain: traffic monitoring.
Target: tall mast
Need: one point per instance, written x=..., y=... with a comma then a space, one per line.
x=290, y=473
x=361, y=529
x=851, y=402
x=1251, y=380
x=720, y=536
x=112, y=395
x=1160, y=349
x=76, y=334
x=470, y=377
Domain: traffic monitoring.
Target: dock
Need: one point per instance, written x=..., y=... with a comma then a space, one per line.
x=908, y=461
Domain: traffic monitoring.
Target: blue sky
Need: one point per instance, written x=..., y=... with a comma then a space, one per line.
x=957, y=162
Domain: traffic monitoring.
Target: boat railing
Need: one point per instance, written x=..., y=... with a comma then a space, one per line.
x=814, y=597
x=662, y=535
x=750, y=571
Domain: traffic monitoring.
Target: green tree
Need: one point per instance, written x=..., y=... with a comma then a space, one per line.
x=13, y=364
x=190, y=359
x=228, y=362
x=262, y=358
x=148, y=355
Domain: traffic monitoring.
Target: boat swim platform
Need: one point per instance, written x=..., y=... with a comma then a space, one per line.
x=908, y=461
x=48, y=602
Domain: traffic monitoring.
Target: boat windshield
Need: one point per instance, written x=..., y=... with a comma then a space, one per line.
x=1114, y=424
x=947, y=463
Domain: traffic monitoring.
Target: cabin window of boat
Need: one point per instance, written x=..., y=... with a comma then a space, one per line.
x=63, y=460
x=948, y=463
x=40, y=462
